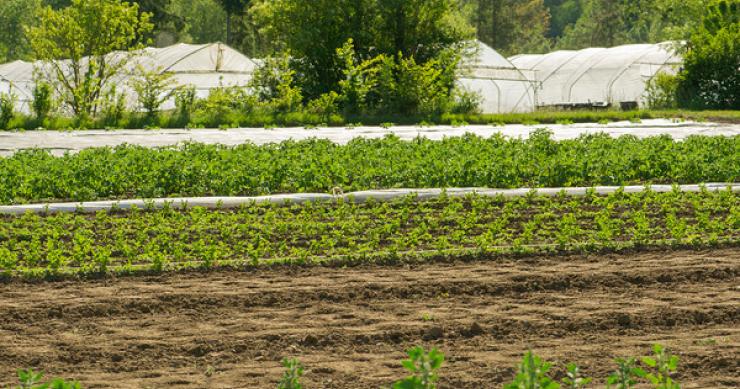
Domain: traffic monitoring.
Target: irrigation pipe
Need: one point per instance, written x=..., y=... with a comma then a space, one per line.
x=360, y=197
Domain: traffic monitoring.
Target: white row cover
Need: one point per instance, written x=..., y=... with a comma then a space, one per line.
x=503, y=87
x=360, y=197
x=203, y=66
x=598, y=76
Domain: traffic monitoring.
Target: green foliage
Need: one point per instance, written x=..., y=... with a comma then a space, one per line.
x=292, y=376
x=30, y=379
x=573, y=378
x=43, y=101
x=15, y=16
x=710, y=77
x=663, y=364
x=7, y=109
x=423, y=367
x=532, y=374
x=320, y=165
x=626, y=375
x=274, y=83
x=185, y=99
x=661, y=91
x=512, y=26
x=153, y=88
x=92, y=29
x=253, y=234
x=313, y=31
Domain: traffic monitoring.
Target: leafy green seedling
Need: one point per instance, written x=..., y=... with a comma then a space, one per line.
x=626, y=374
x=423, y=367
x=30, y=379
x=533, y=374
x=573, y=378
x=292, y=376
x=664, y=364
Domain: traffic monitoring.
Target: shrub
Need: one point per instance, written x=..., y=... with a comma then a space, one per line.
x=274, y=85
x=423, y=367
x=30, y=379
x=42, y=101
x=185, y=99
x=153, y=88
x=710, y=79
x=7, y=109
x=661, y=91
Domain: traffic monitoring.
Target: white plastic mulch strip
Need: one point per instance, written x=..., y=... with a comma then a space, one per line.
x=377, y=195
x=59, y=142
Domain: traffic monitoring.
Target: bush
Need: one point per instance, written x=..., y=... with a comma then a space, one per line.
x=42, y=101
x=661, y=91
x=153, y=88
x=185, y=99
x=710, y=79
x=274, y=85
x=7, y=109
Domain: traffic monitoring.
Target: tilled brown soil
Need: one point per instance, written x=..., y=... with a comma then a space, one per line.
x=350, y=326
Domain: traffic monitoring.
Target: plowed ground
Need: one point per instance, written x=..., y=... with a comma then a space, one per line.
x=350, y=326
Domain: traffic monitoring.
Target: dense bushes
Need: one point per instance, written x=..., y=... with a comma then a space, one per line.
x=320, y=165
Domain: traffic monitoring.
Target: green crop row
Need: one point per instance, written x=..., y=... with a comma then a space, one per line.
x=320, y=165
x=533, y=372
x=257, y=234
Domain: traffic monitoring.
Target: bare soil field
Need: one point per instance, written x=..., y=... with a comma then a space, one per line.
x=351, y=326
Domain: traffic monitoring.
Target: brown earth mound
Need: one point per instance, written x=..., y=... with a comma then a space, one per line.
x=350, y=327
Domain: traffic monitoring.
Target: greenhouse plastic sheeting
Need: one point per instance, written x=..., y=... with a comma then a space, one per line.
x=502, y=87
x=204, y=67
x=598, y=76
x=377, y=195
x=59, y=142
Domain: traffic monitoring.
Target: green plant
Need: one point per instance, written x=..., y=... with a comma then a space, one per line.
x=30, y=379
x=664, y=364
x=7, y=109
x=532, y=374
x=661, y=91
x=153, y=88
x=43, y=101
x=423, y=367
x=292, y=376
x=185, y=99
x=626, y=375
x=573, y=378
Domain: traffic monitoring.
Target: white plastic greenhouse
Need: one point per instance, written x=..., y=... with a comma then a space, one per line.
x=502, y=86
x=203, y=66
x=598, y=76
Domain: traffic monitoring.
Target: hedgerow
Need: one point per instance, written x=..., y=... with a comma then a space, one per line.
x=319, y=166
x=347, y=232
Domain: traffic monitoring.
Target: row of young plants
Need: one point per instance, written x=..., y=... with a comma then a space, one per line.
x=533, y=372
x=347, y=232
x=320, y=166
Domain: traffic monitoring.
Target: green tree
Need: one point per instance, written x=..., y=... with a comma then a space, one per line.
x=15, y=16
x=512, y=26
x=205, y=21
x=75, y=42
x=314, y=30
x=710, y=77
x=232, y=7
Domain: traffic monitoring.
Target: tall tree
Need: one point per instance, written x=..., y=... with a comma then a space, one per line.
x=15, y=15
x=313, y=31
x=75, y=42
x=232, y=8
x=512, y=26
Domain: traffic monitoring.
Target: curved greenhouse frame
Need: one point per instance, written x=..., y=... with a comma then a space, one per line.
x=204, y=67
x=598, y=76
x=502, y=86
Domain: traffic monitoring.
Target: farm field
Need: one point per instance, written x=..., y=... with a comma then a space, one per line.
x=349, y=326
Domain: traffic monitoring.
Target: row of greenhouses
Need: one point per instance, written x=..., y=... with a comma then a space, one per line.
x=593, y=77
